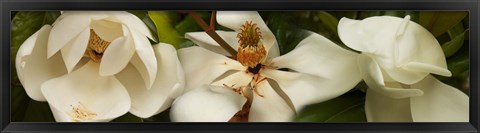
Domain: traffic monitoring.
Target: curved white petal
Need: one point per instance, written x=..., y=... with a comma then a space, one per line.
x=107, y=30
x=406, y=50
x=321, y=57
x=235, y=80
x=169, y=82
x=325, y=71
x=372, y=75
x=105, y=96
x=146, y=55
x=203, y=40
x=75, y=49
x=33, y=66
x=117, y=55
x=235, y=19
x=440, y=103
x=132, y=22
x=69, y=27
x=370, y=36
x=269, y=108
x=207, y=104
x=305, y=89
x=380, y=108
x=203, y=67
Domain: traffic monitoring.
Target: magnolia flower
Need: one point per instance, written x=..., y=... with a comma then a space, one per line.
x=252, y=87
x=397, y=57
x=96, y=66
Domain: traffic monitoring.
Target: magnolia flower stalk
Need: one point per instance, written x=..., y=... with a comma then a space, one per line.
x=397, y=59
x=252, y=88
x=96, y=66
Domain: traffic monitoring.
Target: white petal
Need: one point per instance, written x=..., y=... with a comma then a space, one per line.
x=203, y=67
x=372, y=75
x=168, y=83
x=235, y=80
x=235, y=19
x=75, y=49
x=203, y=40
x=107, y=30
x=418, y=47
x=374, y=35
x=269, y=108
x=117, y=55
x=321, y=57
x=148, y=61
x=132, y=22
x=33, y=67
x=207, y=104
x=380, y=108
x=69, y=27
x=104, y=96
x=325, y=71
x=305, y=89
x=406, y=50
x=440, y=103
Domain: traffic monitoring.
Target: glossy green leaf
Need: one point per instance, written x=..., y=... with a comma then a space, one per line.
x=400, y=14
x=287, y=34
x=459, y=62
x=188, y=24
x=346, y=108
x=454, y=45
x=164, y=23
x=456, y=30
x=340, y=14
x=330, y=21
x=414, y=16
x=440, y=22
x=38, y=112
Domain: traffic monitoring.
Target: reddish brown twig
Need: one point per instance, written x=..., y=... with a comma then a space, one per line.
x=210, y=30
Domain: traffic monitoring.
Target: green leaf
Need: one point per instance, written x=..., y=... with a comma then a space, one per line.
x=24, y=24
x=346, y=108
x=459, y=62
x=139, y=14
x=166, y=32
x=188, y=24
x=287, y=34
x=414, y=16
x=340, y=14
x=330, y=21
x=128, y=118
x=454, y=45
x=400, y=14
x=440, y=22
x=38, y=112
x=456, y=30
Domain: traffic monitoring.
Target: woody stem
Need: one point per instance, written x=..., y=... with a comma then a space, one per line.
x=211, y=32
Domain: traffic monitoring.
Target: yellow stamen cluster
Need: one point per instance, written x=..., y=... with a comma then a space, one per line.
x=251, y=51
x=96, y=47
x=80, y=113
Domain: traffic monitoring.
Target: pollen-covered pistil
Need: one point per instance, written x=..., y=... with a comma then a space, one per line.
x=251, y=51
x=96, y=47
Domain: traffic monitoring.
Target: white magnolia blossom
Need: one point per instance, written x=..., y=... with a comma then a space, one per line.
x=219, y=88
x=96, y=66
x=397, y=57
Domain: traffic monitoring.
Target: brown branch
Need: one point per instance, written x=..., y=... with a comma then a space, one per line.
x=210, y=30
